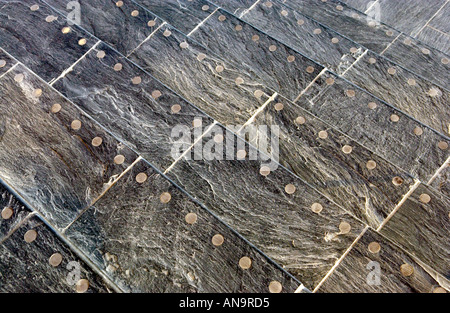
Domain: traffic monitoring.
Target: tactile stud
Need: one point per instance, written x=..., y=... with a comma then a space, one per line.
x=19, y=78
x=34, y=7
x=82, y=286
x=279, y=106
x=97, y=141
x=317, y=31
x=350, y=93
x=300, y=120
x=222, y=18
x=275, y=287
x=119, y=159
x=395, y=118
x=347, y=149
x=371, y=165
x=392, y=70
x=136, y=80
x=2, y=63
x=424, y=198
x=239, y=81
x=272, y=48
x=310, y=69
x=76, y=125
x=176, y=108
x=56, y=108
x=238, y=28
x=290, y=189
x=184, y=45
x=218, y=138
x=300, y=22
x=201, y=56
x=119, y=3
x=156, y=94
x=255, y=38
x=55, y=260
x=329, y=81
x=291, y=58
x=197, y=123
x=323, y=134
x=372, y=60
x=241, y=154
x=353, y=49
x=65, y=30
x=345, y=228
x=37, y=92
x=118, y=67
x=217, y=240
x=406, y=269
x=219, y=69
x=205, y=7
x=372, y=105
x=101, y=54
x=374, y=247
x=30, y=236
x=50, y=18
x=141, y=178
x=191, y=218
x=264, y=171
x=397, y=181
x=82, y=41
x=165, y=197
x=151, y=23
x=411, y=82
x=444, y=61
x=167, y=33
x=316, y=207
x=334, y=40
x=245, y=263
x=443, y=145
x=418, y=131
x=7, y=213
x=268, y=4
x=135, y=13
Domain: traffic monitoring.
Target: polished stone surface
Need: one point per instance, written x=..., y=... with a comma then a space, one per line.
x=26, y=267
x=305, y=35
x=410, y=93
x=280, y=68
x=160, y=240
x=131, y=104
x=6, y=62
x=53, y=160
x=377, y=126
x=349, y=22
x=40, y=45
x=184, y=15
x=421, y=226
x=435, y=38
x=276, y=218
x=232, y=94
x=396, y=270
x=122, y=26
x=336, y=165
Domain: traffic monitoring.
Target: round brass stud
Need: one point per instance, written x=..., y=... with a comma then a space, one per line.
x=245, y=263
x=371, y=165
x=345, y=228
x=372, y=105
x=217, y=240
x=176, y=108
x=397, y=181
x=300, y=120
x=347, y=149
x=443, y=145
x=191, y=218
x=374, y=247
x=135, y=13
x=156, y=94
x=406, y=270
x=136, y=80
x=264, y=171
x=118, y=67
x=7, y=213
x=165, y=197
x=395, y=118
x=272, y=48
x=55, y=260
x=30, y=236
x=76, y=125
x=275, y=287
x=290, y=189
x=241, y=154
x=97, y=141
x=141, y=178
x=424, y=198
x=316, y=208
x=418, y=131
x=82, y=41
x=151, y=23
x=119, y=159
x=82, y=286
x=279, y=106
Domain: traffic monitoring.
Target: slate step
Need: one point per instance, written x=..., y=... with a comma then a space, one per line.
x=148, y=236
x=34, y=259
x=391, y=82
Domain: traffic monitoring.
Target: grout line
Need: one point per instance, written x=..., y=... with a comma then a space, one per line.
x=446, y=164
x=190, y=148
x=70, y=68
x=338, y=262
x=249, y=9
x=426, y=24
x=368, y=9
x=202, y=22
x=9, y=70
x=102, y=194
x=259, y=110
x=398, y=206
x=356, y=61
x=438, y=30
x=310, y=84
x=389, y=45
x=146, y=39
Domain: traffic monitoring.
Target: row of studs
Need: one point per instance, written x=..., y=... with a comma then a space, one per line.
x=273, y=48
x=217, y=240
x=418, y=131
x=433, y=92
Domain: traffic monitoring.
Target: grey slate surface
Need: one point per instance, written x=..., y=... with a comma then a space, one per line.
x=349, y=172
